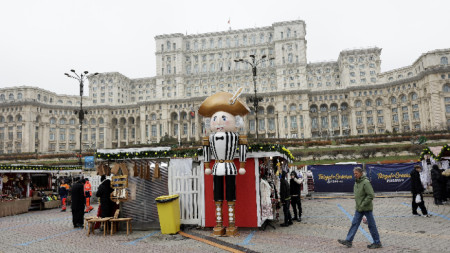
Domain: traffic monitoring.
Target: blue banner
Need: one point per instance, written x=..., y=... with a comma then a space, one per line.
x=333, y=178
x=89, y=162
x=390, y=177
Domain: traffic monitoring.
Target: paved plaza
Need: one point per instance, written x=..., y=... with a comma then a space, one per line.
x=324, y=221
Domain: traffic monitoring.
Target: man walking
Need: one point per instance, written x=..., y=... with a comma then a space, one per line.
x=363, y=197
x=417, y=189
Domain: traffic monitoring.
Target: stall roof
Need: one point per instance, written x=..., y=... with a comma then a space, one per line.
x=23, y=168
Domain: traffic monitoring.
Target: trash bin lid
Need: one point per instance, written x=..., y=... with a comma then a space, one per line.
x=166, y=198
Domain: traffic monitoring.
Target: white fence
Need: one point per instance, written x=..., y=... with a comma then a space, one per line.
x=188, y=183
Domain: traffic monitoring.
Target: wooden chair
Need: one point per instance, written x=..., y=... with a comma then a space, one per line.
x=115, y=221
x=103, y=222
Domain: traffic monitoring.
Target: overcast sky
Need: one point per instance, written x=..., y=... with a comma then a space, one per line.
x=40, y=40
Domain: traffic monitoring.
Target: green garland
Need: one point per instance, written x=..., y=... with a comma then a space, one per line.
x=183, y=153
x=150, y=154
x=37, y=167
x=444, y=150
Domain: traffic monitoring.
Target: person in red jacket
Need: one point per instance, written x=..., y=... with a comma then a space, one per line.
x=87, y=195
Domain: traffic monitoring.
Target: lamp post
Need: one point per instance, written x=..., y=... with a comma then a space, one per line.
x=80, y=78
x=254, y=63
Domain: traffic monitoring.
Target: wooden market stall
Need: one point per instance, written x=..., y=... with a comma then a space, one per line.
x=25, y=186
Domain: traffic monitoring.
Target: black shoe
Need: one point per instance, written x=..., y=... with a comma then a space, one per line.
x=284, y=225
x=427, y=215
x=346, y=243
x=416, y=214
x=290, y=222
x=299, y=219
x=63, y=210
x=374, y=246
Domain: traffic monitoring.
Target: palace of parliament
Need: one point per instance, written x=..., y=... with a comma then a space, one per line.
x=349, y=96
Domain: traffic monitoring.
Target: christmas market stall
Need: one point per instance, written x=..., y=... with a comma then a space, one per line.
x=435, y=155
x=26, y=186
x=257, y=191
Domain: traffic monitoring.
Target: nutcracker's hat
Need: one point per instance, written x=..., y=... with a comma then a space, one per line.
x=226, y=102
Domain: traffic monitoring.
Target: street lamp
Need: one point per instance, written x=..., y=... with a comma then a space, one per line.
x=254, y=63
x=80, y=78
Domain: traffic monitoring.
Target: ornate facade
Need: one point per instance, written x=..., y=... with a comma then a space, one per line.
x=350, y=96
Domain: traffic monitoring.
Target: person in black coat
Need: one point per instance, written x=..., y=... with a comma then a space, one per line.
x=285, y=199
x=104, y=193
x=417, y=189
x=295, y=188
x=437, y=181
x=78, y=202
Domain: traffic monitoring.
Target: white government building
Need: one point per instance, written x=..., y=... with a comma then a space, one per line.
x=349, y=96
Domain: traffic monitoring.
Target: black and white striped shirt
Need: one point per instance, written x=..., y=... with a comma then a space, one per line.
x=222, y=146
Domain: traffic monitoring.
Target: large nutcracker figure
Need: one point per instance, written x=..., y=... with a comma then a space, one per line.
x=226, y=111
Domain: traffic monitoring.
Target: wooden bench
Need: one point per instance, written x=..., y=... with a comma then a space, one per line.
x=115, y=221
x=103, y=222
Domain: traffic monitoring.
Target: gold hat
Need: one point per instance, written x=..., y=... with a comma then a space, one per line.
x=223, y=101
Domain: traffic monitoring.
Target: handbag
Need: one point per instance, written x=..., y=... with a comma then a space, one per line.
x=418, y=199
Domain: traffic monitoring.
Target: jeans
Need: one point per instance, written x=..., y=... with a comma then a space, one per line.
x=357, y=221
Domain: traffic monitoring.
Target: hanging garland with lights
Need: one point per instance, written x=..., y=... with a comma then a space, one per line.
x=445, y=151
x=184, y=153
x=37, y=167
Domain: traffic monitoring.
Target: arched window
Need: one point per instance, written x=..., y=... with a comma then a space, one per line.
x=358, y=103
x=153, y=116
x=72, y=121
x=413, y=96
x=323, y=108
x=292, y=107
x=288, y=34
x=212, y=68
x=11, y=96
x=379, y=102
x=2, y=119
x=2, y=97
x=62, y=121
x=344, y=106
x=19, y=118
x=313, y=109
x=403, y=98
x=446, y=88
x=10, y=119
x=93, y=122
x=168, y=45
x=101, y=121
x=393, y=100
x=270, y=110
x=444, y=60
x=260, y=110
x=19, y=96
x=334, y=107
x=368, y=102
x=52, y=121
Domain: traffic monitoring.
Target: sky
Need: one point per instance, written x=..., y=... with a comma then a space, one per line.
x=42, y=40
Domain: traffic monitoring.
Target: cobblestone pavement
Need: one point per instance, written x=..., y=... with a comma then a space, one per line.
x=324, y=221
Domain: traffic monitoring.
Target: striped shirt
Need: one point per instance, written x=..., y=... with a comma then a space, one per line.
x=222, y=146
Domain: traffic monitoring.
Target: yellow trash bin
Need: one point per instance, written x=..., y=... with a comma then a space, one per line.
x=169, y=213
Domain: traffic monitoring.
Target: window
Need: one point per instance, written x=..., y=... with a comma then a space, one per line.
x=405, y=116
x=444, y=60
x=358, y=103
x=380, y=120
x=271, y=124
x=393, y=100
x=293, y=122
x=368, y=102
